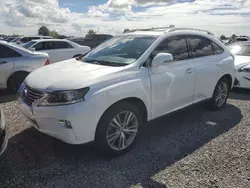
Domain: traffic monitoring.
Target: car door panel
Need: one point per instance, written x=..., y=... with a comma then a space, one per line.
x=205, y=63
x=172, y=87
x=172, y=84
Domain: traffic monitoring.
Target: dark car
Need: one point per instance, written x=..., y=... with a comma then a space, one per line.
x=3, y=133
x=91, y=40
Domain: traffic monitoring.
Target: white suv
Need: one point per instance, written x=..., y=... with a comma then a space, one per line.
x=128, y=80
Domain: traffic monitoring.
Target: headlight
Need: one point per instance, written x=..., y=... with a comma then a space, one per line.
x=241, y=68
x=64, y=97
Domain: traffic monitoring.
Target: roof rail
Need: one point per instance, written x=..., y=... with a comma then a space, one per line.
x=151, y=29
x=201, y=30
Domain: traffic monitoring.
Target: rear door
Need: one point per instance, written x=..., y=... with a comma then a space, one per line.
x=61, y=50
x=7, y=58
x=206, y=57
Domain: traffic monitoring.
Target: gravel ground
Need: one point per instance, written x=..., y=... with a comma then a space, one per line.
x=193, y=147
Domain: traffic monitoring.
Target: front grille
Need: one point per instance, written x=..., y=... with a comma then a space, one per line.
x=30, y=95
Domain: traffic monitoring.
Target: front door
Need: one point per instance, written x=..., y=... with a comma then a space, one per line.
x=173, y=83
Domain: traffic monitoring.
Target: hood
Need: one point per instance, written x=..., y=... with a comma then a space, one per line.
x=69, y=74
x=240, y=60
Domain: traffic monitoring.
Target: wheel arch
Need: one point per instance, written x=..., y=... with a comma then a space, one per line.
x=134, y=101
x=13, y=74
x=229, y=78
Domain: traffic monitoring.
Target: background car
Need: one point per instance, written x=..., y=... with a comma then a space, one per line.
x=16, y=63
x=58, y=49
x=23, y=40
x=91, y=40
x=241, y=51
x=3, y=133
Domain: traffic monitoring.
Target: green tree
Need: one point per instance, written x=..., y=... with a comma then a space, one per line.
x=223, y=37
x=126, y=30
x=43, y=30
x=54, y=34
x=91, y=32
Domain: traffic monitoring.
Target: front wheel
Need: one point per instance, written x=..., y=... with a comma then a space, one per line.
x=118, y=129
x=220, y=94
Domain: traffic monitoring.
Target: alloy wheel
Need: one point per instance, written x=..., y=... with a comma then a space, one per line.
x=122, y=130
x=221, y=94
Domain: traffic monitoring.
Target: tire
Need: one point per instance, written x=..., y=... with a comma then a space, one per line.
x=222, y=85
x=16, y=80
x=114, y=146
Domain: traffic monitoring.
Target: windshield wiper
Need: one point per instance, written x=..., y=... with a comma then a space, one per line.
x=106, y=63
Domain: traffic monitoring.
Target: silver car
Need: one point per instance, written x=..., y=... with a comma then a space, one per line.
x=3, y=133
x=16, y=63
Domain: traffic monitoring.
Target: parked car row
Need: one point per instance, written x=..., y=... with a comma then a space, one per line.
x=91, y=40
x=57, y=49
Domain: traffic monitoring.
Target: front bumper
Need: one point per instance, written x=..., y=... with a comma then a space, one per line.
x=82, y=116
x=3, y=133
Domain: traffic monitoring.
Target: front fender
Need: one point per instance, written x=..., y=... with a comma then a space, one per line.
x=103, y=98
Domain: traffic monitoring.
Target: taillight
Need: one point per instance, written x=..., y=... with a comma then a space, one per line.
x=46, y=62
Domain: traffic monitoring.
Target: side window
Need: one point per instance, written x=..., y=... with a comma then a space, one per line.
x=176, y=46
x=217, y=49
x=200, y=46
x=24, y=40
x=61, y=45
x=6, y=52
x=39, y=46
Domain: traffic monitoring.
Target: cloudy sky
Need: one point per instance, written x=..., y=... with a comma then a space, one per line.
x=76, y=17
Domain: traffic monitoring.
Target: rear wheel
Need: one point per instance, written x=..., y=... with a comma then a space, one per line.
x=16, y=80
x=118, y=129
x=220, y=94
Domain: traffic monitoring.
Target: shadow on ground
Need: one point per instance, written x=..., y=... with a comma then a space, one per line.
x=6, y=96
x=36, y=160
x=240, y=94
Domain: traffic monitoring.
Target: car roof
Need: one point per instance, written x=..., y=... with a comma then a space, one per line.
x=166, y=30
x=46, y=40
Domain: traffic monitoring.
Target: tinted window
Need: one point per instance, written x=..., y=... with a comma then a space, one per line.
x=176, y=46
x=200, y=46
x=43, y=46
x=28, y=44
x=6, y=52
x=61, y=44
x=217, y=49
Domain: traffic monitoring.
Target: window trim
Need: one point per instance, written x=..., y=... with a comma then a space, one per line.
x=187, y=36
x=184, y=36
x=219, y=47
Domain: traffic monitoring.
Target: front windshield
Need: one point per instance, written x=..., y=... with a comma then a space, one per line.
x=120, y=50
x=240, y=49
x=28, y=44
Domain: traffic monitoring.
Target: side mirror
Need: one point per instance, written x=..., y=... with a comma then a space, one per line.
x=161, y=59
x=32, y=49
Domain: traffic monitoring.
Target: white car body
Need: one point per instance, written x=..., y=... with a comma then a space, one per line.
x=25, y=61
x=242, y=65
x=161, y=89
x=56, y=53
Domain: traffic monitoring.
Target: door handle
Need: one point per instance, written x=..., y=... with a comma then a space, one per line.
x=189, y=71
x=3, y=62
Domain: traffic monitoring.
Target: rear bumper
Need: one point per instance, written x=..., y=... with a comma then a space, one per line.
x=3, y=133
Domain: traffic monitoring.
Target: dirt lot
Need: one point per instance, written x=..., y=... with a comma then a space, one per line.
x=194, y=147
